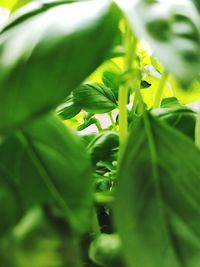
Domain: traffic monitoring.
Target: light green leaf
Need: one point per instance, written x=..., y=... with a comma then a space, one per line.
x=157, y=197
x=46, y=56
x=50, y=166
x=172, y=30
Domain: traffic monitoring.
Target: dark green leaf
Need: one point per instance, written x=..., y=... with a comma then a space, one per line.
x=172, y=32
x=182, y=119
x=157, y=197
x=102, y=147
x=95, y=98
x=50, y=166
x=48, y=55
x=144, y=84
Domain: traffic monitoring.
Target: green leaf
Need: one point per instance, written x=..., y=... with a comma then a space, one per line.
x=48, y=55
x=172, y=30
x=95, y=98
x=157, y=197
x=50, y=166
x=182, y=119
x=68, y=109
x=144, y=84
x=170, y=102
x=103, y=146
x=112, y=80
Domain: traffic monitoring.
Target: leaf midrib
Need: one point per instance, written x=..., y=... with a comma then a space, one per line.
x=155, y=173
x=42, y=170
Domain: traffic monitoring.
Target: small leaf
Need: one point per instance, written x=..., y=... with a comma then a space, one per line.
x=144, y=84
x=169, y=102
x=50, y=166
x=95, y=98
x=52, y=54
x=157, y=197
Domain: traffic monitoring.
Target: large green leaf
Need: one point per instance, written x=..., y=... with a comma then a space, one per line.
x=183, y=119
x=157, y=197
x=50, y=166
x=172, y=30
x=46, y=56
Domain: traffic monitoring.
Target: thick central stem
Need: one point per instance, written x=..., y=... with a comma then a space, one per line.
x=123, y=124
x=130, y=47
x=197, y=131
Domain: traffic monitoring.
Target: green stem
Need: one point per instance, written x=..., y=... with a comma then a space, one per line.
x=160, y=90
x=123, y=125
x=135, y=102
x=98, y=125
x=197, y=131
x=112, y=120
x=130, y=46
